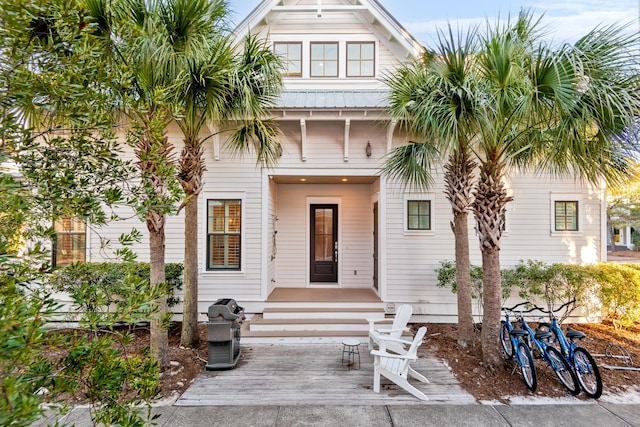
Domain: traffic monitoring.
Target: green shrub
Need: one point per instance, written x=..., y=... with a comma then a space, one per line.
x=98, y=286
x=447, y=278
x=556, y=284
x=619, y=291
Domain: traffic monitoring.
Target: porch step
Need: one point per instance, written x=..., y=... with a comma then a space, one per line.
x=318, y=322
x=293, y=325
x=322, y=313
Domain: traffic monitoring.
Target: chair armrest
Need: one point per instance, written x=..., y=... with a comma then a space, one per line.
x=389, y=331
x=372, y=321
x=392, y=355
x=398, y=340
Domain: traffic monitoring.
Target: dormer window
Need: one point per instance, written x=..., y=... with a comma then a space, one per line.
x=291, y=54
x=361, y=59
x=324, y=59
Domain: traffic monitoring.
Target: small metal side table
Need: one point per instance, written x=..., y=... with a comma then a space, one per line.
x=351, y=349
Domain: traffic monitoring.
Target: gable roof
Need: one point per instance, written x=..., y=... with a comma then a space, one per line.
x=371, y=12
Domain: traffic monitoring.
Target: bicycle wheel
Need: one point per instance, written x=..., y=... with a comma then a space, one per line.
x=587, y=372
x=505, y=340
x=563, y=370
x=528, y=369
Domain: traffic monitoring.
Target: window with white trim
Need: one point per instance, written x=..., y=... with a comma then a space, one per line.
x=419, y=214
x=224, y=232
x=566, y=215
x=70, y=245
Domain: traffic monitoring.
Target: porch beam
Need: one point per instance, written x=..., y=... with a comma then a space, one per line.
x=390, y=130
x=303, y=139
x=347, y=128
x=215, y=137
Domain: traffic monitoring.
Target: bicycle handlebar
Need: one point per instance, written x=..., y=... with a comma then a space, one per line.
x=535, y=307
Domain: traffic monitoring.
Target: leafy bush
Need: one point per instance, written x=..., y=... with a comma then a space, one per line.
x=619, y=291
x=447, y=278
x=39, y=364
x=556, y=284
x=612, y=289
x=99, y=286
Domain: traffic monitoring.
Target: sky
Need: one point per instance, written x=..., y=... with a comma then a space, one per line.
x=565, y=20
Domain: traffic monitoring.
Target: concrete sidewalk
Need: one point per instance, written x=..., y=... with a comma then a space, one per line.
x=578, y=415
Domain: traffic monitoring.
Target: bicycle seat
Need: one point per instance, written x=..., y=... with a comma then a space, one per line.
x=542, y=334
x=518, y=332
x=573, y=334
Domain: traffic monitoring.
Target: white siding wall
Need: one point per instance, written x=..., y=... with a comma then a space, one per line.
x=413, y=259
x=232, y=177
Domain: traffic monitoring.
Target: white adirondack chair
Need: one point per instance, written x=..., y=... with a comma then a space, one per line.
x=403, y=314
x=397, y=367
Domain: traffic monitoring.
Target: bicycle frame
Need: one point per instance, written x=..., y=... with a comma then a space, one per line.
x=519, y=351
x=566, y=347
x=578, y=358
x=551, y=355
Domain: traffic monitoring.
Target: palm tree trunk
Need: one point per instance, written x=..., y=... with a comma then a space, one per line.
x=159, y=335
x=463, y=279
x=189, y=337
x=492, y=303
x=459, y=181
x=191, y=168
x=490, y=213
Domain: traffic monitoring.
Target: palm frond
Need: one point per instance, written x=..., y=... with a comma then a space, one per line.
x=411, y=165
x=259, y=136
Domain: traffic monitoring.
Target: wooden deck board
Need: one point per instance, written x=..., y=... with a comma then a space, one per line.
x=312, y=374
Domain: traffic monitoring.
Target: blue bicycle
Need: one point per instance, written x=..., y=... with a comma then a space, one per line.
x=578, y=357
x=540, y=341
x=514, y=346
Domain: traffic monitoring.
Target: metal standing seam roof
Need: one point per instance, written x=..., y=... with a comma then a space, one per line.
x=332, y=99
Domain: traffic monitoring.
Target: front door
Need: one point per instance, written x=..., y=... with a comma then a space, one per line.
x=324, y=243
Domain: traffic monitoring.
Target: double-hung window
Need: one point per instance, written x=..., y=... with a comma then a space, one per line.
x=70, y=245
x=360, y=59
x=324, y=59
x=291, y=55
x=224, y=226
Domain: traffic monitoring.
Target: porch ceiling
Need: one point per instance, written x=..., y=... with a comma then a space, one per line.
x=306, y=179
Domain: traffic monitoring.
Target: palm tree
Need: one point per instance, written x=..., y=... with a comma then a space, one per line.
x=434, y=98
x=216, y=85
x=184, y=67
x=558, y=110
x=525, y=105
x=138, y=38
